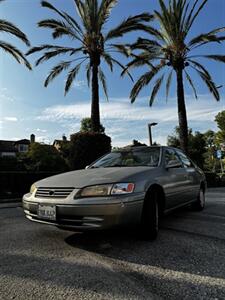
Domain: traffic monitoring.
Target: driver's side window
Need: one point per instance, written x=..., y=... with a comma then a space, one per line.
x=171, y=158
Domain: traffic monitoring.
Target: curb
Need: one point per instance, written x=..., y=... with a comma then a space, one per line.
x=15, y=200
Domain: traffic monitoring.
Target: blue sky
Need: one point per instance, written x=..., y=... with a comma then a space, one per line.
x=27, y=107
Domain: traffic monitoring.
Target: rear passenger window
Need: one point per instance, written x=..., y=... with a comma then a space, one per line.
x=187, y=163
x=171, y=157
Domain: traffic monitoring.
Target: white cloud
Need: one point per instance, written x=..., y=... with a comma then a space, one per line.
x=41, y=130
x=121, y=110
x=5, y=95
x=125, y=122
x=11, y=119
x=42, y=139
x=79, y=84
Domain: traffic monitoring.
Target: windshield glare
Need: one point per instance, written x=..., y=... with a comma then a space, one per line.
x=129, y=158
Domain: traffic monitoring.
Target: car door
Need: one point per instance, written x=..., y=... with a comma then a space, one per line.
x=175, y=181
x=193, y=183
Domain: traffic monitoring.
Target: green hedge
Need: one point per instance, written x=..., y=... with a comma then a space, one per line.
x=15, y=184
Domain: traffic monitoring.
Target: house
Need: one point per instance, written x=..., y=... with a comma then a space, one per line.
x=11, y=148
x=58, y=143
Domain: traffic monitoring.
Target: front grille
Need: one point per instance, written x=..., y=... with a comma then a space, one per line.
x=62, y=192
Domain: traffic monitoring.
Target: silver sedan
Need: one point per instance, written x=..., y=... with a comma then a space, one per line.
x=129, y=186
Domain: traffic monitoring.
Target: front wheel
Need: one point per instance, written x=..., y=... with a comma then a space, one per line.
x=200, y=203
x=150, y=217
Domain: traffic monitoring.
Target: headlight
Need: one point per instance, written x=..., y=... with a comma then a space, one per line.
x=33, y=188
x=122, y=188
x=106, y=190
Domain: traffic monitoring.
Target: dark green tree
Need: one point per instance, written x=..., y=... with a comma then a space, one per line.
x=220, y=120
x=86, y=126
x=90, y=44
x=170, y=49
x=197, y=145
x=41, y=157
x=12, y=29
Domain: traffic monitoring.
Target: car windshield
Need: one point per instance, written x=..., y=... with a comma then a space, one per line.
x=129, y=158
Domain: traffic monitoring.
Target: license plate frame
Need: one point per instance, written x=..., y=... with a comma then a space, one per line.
x=47, y=212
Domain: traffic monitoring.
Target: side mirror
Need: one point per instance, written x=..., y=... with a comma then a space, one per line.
x=173, y=164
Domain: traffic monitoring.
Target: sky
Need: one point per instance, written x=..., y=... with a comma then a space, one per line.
x=27, y=107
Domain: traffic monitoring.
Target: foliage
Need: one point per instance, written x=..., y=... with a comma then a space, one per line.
x=10, y=28
x=86, y=147
x=41, y=157
x=197, y=145
x=89, y=44
x=86, y=126
x=8, y=163
x=220, y=120
x=169, y=49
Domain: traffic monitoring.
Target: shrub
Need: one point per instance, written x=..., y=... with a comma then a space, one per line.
x=86, y=147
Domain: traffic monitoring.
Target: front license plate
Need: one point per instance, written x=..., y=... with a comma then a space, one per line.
x=47, y=212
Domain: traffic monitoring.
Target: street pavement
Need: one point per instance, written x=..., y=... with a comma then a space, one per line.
x=187, y=261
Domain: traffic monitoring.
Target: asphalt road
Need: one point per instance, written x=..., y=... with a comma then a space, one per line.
x=186, y=262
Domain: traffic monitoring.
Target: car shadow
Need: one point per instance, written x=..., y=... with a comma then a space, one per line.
x=175, y=250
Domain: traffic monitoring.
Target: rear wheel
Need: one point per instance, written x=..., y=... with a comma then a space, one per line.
x=200, y=203
x=150, y=217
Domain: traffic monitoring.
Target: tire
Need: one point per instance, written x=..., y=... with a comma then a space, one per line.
x=150, y=217
x=199, y=205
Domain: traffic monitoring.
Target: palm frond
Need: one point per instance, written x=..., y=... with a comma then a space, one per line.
x=168, y=84
x=115, y=61
x=56, y=71
x=201, y=67
x=130, y=24
x=105, y=10
x=51, y=54
x=60, y=28
x=71, y=77
x=138, y=61
x=64, y=15
x=220, y=58
x=143, y=81
x=14, y=30
x=210, y=84
x=103, y=82
x=192, y=16
x=108, y=59
x=191, y=84
x=42, y=47
x=83, y=13
x=155, y=90
x=123, y=49
x=88, y=73
x=17, y=54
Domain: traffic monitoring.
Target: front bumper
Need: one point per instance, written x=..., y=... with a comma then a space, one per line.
x=88, y=214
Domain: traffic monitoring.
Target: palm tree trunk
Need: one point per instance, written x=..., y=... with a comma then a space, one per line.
x=95, y=115
x=182, y=115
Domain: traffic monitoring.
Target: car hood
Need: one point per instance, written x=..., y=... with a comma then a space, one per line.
x=82, y=178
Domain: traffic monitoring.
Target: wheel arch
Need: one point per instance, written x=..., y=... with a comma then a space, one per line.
x=160, y=191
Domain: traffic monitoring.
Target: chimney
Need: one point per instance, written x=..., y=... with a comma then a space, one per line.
x=32, y=138
x=64, y=138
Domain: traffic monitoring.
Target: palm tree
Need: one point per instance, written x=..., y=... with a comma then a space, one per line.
x=170, y=49
x=10, y=28
x=90, y=44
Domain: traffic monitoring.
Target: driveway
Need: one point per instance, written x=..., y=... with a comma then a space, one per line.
x=187, y=261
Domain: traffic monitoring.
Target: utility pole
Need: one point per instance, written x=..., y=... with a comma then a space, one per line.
x=150, y=132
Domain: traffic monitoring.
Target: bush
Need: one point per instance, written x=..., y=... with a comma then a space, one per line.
x=16, y=183
x=212, y=179
x=86, y=147
x=41, y=157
